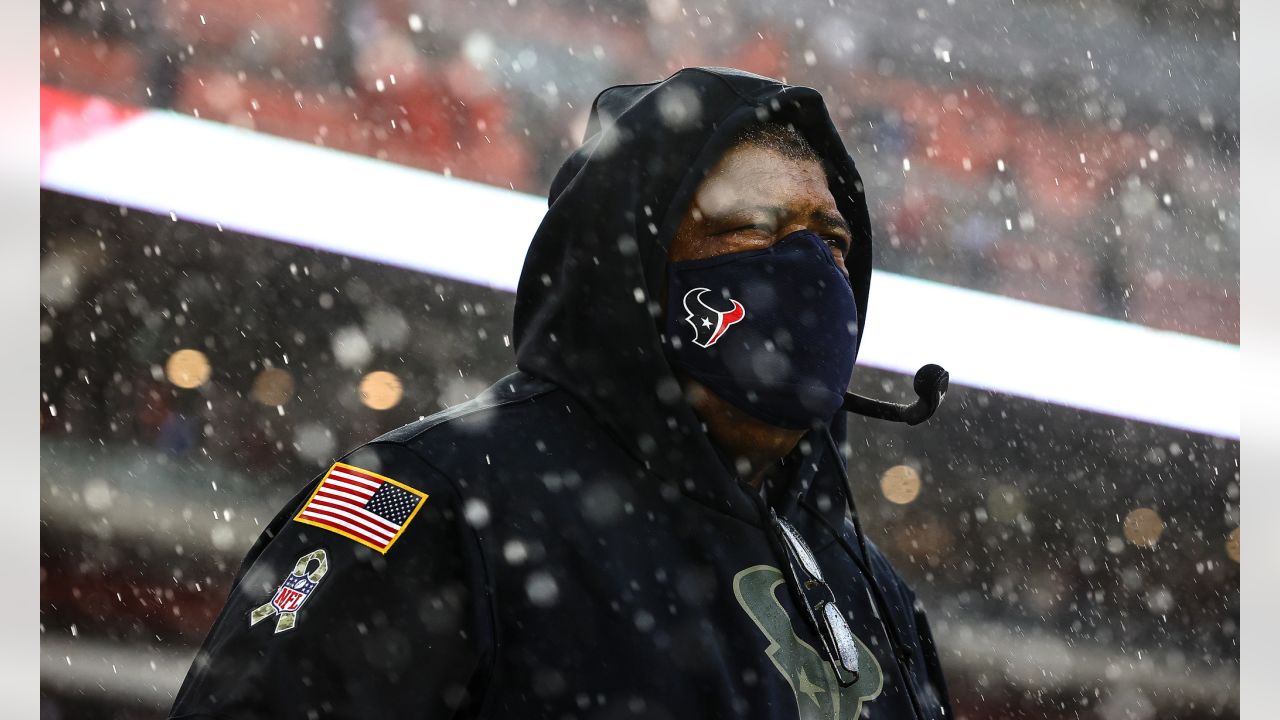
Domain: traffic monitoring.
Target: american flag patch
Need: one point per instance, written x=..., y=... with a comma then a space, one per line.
x=367, y=507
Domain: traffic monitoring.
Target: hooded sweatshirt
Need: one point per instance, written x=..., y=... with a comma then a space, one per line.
x=571, y=544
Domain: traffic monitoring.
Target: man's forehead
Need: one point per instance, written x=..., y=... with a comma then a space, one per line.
x=751, y=176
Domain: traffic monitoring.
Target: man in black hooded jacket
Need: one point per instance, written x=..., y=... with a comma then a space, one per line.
x=648, y=518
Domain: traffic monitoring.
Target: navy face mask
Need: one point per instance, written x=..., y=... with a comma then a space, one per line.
x=771, y=331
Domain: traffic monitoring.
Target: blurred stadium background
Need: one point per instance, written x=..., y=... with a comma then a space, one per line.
x=196, y=370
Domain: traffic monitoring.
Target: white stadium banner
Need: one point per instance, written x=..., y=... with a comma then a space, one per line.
x=223, y=176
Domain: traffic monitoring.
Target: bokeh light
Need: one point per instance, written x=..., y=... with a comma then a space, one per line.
x=1233, y=545
x=273, y=386
x=1006, y=503
x=1143, y=527
x=351, y=347
x=381, y=390
x=900, y=484
x=187, y=368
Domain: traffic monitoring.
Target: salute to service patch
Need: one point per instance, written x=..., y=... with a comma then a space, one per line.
x=293, y=591
x=364, y=506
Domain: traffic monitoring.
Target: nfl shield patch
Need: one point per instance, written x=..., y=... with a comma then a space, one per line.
x=293, y=592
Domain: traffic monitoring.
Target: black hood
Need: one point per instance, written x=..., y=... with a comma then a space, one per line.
x=587, y=305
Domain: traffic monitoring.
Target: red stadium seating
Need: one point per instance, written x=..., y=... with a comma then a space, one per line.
x=280, y=32
x=322, y=116
x=1187, y=305
x=79, y=62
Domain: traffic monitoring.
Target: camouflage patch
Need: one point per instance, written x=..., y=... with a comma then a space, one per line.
x=293, y=592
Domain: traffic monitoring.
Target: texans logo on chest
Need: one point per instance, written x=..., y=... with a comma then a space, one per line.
x=818, y=694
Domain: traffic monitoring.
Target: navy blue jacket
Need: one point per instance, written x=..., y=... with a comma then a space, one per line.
x=570, y=544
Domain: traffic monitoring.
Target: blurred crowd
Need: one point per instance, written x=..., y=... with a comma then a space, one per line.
x=1053, y=179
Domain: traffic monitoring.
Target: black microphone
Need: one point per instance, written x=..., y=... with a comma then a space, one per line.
x=930, y=384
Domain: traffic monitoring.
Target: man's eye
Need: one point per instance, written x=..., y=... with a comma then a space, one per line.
x=745, y=229
x=834, y=242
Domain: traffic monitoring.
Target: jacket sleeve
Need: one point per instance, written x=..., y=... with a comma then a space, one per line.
x=323, y=623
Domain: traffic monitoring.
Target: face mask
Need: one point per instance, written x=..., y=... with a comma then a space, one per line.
x=771, y=331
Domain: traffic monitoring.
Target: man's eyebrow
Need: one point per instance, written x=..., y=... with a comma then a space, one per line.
x=833, y=219
x=828, y=217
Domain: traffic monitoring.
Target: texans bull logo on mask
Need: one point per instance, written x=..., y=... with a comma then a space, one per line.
x=708, y=323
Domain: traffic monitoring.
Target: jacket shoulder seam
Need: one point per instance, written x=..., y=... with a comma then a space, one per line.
x=457, y=412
